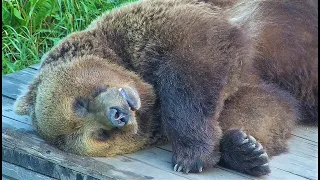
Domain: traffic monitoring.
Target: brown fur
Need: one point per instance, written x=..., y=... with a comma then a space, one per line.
x=263, y=112
x=285, y=35
x=55, y=90
x=195, y=69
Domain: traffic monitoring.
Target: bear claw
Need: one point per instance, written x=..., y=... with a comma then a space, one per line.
x=178, y=168
x=242, y=152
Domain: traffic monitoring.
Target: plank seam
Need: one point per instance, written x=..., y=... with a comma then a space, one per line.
x=17, y=120
x=9, y=97
x=37, y=157
x=155, y=166
x=28, y=170
x=293, y=173
x=8, y=177
x=305, y=139
x=219, y=167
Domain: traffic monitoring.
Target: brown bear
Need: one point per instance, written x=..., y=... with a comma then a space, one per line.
x=201, y=75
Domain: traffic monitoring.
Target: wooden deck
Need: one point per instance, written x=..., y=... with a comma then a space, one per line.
x=26, y=156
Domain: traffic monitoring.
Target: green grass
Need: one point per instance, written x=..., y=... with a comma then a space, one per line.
x=31, y=27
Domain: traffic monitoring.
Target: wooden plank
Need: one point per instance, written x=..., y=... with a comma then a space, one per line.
x=26, y=128
x=279, y=174
x=19, y=149
x=7, y=111
x=27, y=74
x=300, y=162
x=296, y=165
x=4, y=177
x=14, y=84
x=303, y=147
x=162, y=159
x=12, y=121
x=16, y=172
x=302, y=159
x=12, y=88
x=11, y=124
x=117, y=160
x=130, y=165
x=307, y=132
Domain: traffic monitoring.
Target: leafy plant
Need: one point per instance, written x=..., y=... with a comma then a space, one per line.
x=31, y=27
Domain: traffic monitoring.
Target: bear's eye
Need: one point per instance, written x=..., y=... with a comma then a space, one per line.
x=80, y=106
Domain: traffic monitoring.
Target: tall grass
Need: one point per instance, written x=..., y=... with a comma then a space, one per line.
x=32, y=27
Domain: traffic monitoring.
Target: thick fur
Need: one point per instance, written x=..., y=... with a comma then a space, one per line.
x=198, y=74
x=285, y=36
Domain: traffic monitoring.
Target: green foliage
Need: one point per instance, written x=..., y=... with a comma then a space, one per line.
x=31, y=27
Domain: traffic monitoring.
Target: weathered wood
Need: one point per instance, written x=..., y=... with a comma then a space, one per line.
x=14, y=84
x=4, y=177
x=300, y=162
x=16, y=172
x=19, y=149
x=8, y=111
x=162, y=159
x=307, y=132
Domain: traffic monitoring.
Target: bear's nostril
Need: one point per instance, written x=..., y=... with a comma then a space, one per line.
x=118, y=116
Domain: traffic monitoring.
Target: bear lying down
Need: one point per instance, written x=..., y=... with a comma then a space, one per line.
x=220, y=86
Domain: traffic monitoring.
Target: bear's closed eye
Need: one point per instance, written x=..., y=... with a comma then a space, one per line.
x=80, y=106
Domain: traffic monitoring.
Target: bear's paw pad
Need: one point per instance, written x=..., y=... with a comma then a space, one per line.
x=243, y=153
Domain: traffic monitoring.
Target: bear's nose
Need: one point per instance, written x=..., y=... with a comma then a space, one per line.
x=118, y=116
x=131, y=102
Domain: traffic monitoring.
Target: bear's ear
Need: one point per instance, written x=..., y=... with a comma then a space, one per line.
x=25, y=103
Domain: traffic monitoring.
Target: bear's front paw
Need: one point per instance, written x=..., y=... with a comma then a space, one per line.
x=193, y=160
x=243, y=153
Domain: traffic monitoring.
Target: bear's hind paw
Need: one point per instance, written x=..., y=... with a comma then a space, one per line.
x=241, y=152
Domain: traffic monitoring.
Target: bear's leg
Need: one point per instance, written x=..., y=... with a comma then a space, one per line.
x=255, y=115
x=188, y=105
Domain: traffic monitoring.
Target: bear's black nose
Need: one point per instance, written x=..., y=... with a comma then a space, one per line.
x=118, y=116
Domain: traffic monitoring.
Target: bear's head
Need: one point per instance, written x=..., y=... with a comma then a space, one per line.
x=80, y=105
